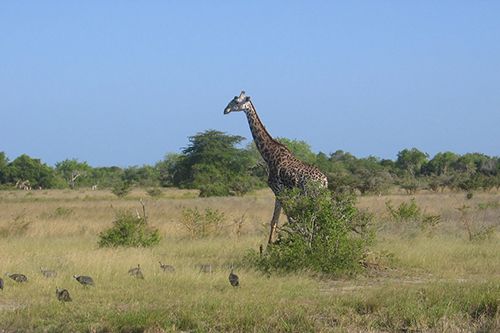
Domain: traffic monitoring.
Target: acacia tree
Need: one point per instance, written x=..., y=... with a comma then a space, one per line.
x=441, y=163
x=411, y=161
x=25, y=168
x=72, y=171
x=213, y=164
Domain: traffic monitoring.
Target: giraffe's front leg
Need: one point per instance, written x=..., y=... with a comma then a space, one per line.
x=274, y=221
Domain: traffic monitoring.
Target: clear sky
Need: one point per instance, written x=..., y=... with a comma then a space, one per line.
x=124, y=82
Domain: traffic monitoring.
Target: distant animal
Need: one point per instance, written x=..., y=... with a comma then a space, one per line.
x=17, y=277
x=48, y=273
x=136, y=272
x=234, y=279
x=84, y=280
x=205, y=268
x=1, y=283
x=63, y=295
x=167, y=268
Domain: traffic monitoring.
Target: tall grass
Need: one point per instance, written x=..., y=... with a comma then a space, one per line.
x=439, y=282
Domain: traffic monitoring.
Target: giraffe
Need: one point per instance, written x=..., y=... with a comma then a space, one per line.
x=285, y=170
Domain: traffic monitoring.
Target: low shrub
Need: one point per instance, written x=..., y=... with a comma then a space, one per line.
x=318, y=238
x=129, y=230
x=411, y=215
x=201, y=225
x=405, y=212
x=121, y=189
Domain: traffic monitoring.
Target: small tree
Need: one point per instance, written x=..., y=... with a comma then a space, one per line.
x=411, y=161
x=201, y=225
x=213, y=164
x=34, y=170
x=72, y=171
x=320, y=238
x=130, y=230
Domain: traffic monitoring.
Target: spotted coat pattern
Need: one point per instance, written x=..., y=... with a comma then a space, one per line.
x=285, y=170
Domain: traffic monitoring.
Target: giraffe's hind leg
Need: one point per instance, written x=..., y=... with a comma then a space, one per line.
x=274, y=221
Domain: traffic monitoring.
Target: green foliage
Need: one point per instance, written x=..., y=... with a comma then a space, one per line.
x=26, y=168
x=410, y=184
x=4, y=161
x=410, y=213
x=319, y=239
x=369, y=175
x=405, y=212
x=73, y=172
x=202, y=225
x=129, y=230
x=121, y=189
x=145, y=175
x=441, y=163
x=213, y=164
x=167, y=168
x=346, y=173
x=301, y=149
x=439, y=183
x=411, y=160
x=106, y=177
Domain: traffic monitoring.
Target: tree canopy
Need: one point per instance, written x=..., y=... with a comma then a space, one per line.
x=217, y=163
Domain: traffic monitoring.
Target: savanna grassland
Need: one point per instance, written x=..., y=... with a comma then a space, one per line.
x=436, y=274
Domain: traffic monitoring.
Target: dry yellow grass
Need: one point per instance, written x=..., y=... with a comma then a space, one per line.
x=58, y=229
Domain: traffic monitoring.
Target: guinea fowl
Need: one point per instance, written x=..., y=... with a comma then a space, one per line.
x=17, y=277
x=63, y=295
x=136, y=271
x=48, y=273
x=234, y=279
x=167, y=268
x=84, y=280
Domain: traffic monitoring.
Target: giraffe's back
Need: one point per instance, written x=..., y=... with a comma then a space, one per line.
x=293, y=173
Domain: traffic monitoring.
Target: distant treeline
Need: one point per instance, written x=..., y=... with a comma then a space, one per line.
x=216, y=164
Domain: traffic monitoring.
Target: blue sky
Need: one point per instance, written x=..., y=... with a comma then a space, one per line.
x=125, y=82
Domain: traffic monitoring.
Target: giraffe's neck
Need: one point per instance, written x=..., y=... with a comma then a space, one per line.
x=263, y=140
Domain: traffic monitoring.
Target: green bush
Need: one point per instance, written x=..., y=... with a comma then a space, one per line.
x=319, y=238
x=129, y=230
x=121, y=189
x=405, y=212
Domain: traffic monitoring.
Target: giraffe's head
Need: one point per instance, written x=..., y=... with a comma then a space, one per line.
x=238, y=103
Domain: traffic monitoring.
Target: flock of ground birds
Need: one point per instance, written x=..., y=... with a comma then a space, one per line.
x=64, y=296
